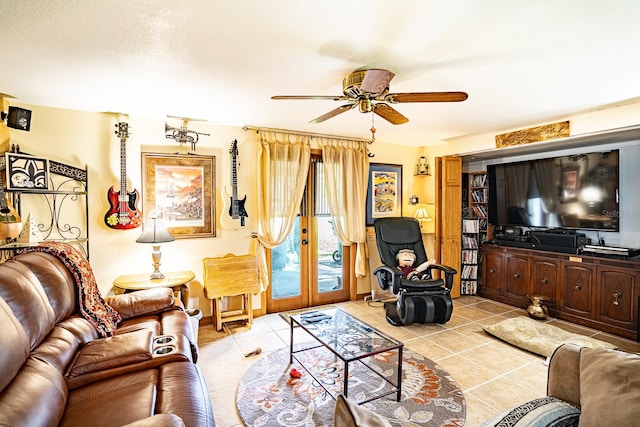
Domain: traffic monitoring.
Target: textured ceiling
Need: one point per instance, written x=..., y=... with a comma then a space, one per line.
x=522, y=63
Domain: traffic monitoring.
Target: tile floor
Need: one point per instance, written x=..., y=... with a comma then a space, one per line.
x=494, y=376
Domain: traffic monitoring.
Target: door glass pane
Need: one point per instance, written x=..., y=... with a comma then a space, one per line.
x=329, y=256
x=285, y=266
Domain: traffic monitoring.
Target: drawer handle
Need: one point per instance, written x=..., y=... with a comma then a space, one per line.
x=516, y=276
x=577, y=286
x=492, y=270
x=616, y=295
x=544, y=281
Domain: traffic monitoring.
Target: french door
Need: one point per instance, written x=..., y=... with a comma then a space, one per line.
x=307, y=269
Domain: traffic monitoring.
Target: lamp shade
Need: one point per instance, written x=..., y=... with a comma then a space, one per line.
x=421, y=213
x=154, y=231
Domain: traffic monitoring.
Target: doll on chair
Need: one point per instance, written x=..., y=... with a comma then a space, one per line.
x=406, y=258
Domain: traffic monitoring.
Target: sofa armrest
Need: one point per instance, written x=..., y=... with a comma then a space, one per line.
x=564, y=374
x=158, y=420
x=139, y=303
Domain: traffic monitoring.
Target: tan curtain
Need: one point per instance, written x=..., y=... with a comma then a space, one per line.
x=346, y=169
x=283, y=165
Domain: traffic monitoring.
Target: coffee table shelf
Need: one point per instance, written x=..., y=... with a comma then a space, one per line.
x=350, y=340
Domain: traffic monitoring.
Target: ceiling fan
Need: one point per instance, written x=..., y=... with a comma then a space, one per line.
x=368, y=89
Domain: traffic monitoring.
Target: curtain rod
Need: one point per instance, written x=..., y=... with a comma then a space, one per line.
x=311, y=134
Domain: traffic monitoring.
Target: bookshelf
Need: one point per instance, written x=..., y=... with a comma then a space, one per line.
x=470, y=259
x=479, y=202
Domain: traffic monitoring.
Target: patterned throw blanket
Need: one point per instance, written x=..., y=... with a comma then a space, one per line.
x=92, y=307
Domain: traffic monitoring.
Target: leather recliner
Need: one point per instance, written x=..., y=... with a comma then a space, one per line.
x=418, y=301
x=57, y=370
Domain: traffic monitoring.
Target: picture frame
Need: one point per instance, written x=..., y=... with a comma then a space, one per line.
x=570, y=183
x=384, y=191
x=181, y=190
x=25, y=172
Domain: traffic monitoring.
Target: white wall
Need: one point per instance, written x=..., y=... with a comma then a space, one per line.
x=79, y=138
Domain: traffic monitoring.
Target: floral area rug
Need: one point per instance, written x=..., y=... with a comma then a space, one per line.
x=269, y=396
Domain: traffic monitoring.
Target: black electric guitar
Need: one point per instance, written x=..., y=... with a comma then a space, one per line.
x=234, y=215
x=123, y=213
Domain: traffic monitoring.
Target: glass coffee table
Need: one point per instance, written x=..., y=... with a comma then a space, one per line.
x=351, y=341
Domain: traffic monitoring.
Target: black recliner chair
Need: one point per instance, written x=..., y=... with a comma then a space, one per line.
x=418, y=301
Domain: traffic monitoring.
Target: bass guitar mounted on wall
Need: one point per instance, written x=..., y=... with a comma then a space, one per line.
x=123, y=213
x=233, y=213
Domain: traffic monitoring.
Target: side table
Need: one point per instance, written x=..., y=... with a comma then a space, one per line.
x=178, y=281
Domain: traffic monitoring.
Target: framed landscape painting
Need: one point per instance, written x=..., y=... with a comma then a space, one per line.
x=384, y=191
x=181, y=190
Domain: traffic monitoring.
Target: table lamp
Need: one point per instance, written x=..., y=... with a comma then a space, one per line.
x=422, y=215
x=155, y=232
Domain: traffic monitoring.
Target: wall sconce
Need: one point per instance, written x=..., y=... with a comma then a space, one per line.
x=155, y=232
x=17, y=118
x=422, y=215
x=422, y=167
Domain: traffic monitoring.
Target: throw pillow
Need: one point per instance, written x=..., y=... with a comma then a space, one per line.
x=609, y=388
x=542, y=412
x=350, y=414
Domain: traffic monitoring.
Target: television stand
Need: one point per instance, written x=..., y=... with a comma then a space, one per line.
x=600, y=292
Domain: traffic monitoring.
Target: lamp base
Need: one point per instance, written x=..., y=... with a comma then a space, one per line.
x=156, y=256
x=157, y=275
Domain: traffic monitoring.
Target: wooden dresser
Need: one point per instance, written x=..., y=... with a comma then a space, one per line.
x=598, y=292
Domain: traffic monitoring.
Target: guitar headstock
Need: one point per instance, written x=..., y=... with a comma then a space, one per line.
x=234, y=148
x=122, y=130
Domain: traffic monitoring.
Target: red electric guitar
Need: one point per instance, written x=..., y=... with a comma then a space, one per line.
x=123, y=213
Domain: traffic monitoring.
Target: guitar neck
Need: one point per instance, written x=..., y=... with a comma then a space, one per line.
x=123, y=166
x=234, y=177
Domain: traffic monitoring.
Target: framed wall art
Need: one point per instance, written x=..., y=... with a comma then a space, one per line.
x=26, y=172
x=181, y=190
x=384, y=191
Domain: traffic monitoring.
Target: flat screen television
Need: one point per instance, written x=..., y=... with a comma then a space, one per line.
x=567, y=192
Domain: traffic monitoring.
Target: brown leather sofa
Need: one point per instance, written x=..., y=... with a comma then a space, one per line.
x=56, y=369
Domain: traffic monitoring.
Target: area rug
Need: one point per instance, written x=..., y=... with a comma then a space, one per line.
x=539, y=337
x=269, y=396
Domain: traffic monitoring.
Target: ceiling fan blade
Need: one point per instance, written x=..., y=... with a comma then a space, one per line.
x=376, y=80
x=426, y=97
x=323, y=97
x=389, y=114
x=333, y=113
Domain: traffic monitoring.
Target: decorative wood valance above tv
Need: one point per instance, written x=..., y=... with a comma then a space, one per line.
x=570, y=192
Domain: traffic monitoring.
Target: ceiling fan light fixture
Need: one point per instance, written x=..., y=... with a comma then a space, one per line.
x=365, y=105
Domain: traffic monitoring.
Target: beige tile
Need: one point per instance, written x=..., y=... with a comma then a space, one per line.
x=515, y=351
x=474, y=330
x=224, y=408
x=467, y=374
x=532, y=375
x=494, y=376
x=503, y=393
x=456, y=320
x=493, y=307
x=478, y=411
x=268, y=341
x=425, y=329
x=427, y=348
x=219, y=376
x=454, y=341
x=472, y=313
x=494, y=359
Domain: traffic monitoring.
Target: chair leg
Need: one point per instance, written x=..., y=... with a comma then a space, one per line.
x=216, y=310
